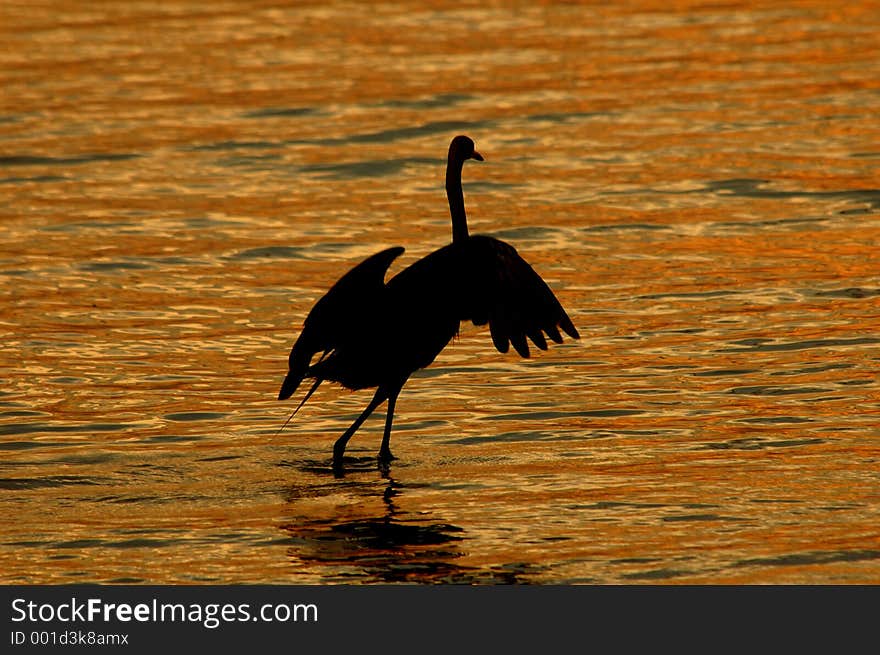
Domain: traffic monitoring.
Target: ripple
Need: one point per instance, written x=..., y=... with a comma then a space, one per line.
x=142, y=542
x=263, y=162
x=760, y=443
x=364, y=169
x=438, y=101
x=812, y=557
x=78, y=543
x=174, y=438
x=776, y=390
x=656, y=574
x=855, y=293
x=625, y=227
x=77, y=226
x=543, y=416
x=15, y=413
x=33, y=160
x=403, y=133
x=281, y=112
x=691, y=294
x=753, y=188
x=272, y=252
x=30, y=428
x=194, y=416
x=726, y=372
x=224, y=146
x=118, y=265
x=529, y=233
x=513, y=436
x=644, y=183
x=776, y=419
x=565, y=117
x=45, y=482
x=604, y=505
x=699, y=517
x=771, y=345
x=34, y=178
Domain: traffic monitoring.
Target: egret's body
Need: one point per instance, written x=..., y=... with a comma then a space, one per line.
x=376, y=334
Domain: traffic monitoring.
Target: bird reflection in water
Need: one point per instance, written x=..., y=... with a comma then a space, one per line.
x=385, y=547
x=367, y=333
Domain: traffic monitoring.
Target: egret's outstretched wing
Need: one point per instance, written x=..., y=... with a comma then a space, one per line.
x=337, y=313
x=501, y=288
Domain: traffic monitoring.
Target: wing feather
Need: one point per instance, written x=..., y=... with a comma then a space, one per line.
x=537, y=338
x=520, y=344
x=337, y=313
x=502, y=343
x=501, y=288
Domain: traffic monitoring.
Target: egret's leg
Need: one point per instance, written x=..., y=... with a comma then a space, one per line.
x=385, y=451
x=339, y=446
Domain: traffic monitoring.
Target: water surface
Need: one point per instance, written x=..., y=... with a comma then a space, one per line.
x=698, y=184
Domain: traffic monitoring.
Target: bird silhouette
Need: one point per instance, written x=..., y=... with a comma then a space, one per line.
x=369, y=333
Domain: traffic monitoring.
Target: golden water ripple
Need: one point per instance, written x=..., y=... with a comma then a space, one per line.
x=697, y=182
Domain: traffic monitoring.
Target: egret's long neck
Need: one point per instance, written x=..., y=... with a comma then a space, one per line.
x=456, y=199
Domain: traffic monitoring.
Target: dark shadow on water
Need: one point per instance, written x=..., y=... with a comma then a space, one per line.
x=812, y=558
x=388, y=546
x=282, y=112
x=439, y=101
x=360, y=169
x=382, y=548
x=396, y=134
x=350, y=464
x=762, y=189
x=750, y=188
x=36, y=160
x=760, y=443
x=855, y=293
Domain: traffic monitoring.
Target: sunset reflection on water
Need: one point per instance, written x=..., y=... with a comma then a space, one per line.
x=697, y=183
